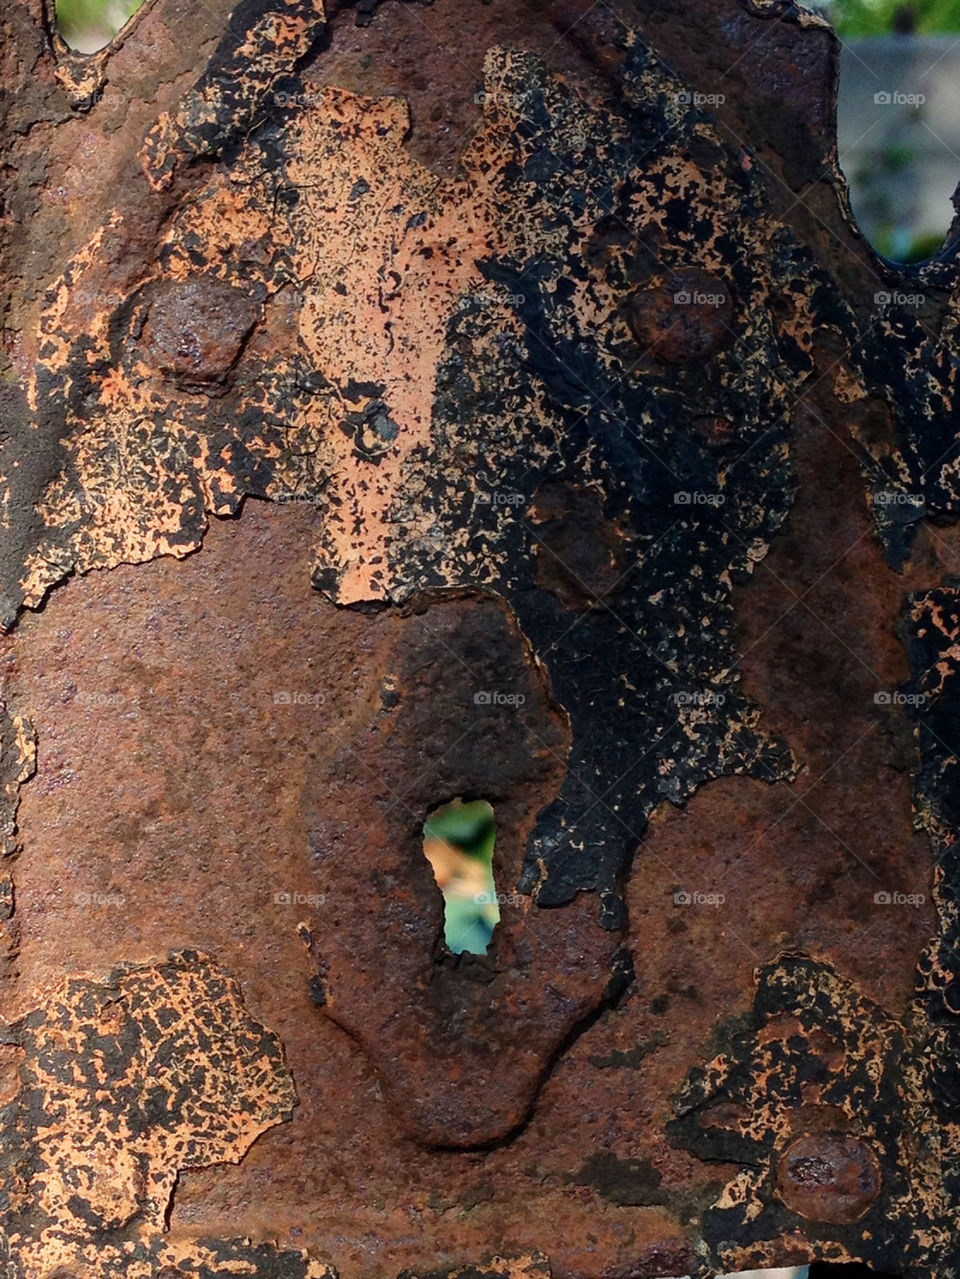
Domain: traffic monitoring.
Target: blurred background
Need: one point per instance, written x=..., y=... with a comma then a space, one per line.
x=898, y=118
x=458, y=841
x=87, y=25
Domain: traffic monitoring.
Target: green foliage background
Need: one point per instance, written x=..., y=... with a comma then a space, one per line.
x=77, y=18
x=853, y=18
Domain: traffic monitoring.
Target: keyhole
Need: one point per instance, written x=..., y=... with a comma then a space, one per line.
x=458, y=840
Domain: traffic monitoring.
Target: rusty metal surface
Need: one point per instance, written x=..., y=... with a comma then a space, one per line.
x=558, y=383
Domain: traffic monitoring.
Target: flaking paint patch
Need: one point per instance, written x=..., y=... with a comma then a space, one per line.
x=388, y=262
x=18, y=762
x=265, y=40
x=905, y=366
x=121, y=1084
x=531, y=1266
x=814, y=1052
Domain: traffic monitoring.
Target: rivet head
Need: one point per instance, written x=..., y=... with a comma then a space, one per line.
x=829, y=1177
x=196, y=328
x=579, y=553
x=683, y=317
x=713, y=430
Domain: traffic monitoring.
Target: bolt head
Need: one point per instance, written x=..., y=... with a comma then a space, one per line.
x=196, y=328
x=829, y=1177
x=683, y=317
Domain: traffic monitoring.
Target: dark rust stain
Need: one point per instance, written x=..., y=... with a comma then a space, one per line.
x=813, y=1119
x=666, y=1257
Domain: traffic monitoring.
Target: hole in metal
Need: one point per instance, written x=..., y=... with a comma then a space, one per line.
x=898, y=119
x=458, y=841
x=89, y=25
